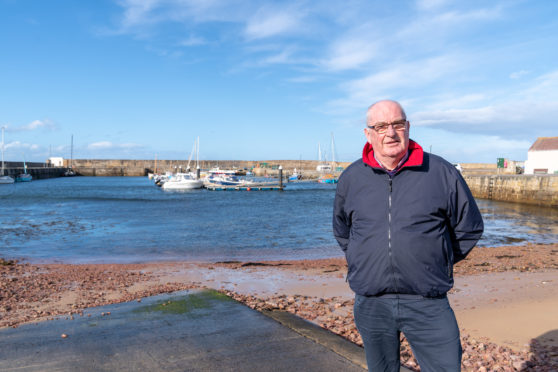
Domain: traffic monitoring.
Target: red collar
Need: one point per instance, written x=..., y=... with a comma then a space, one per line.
x=416, y=155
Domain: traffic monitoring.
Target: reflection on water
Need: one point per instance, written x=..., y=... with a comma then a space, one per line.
x=513, y=223
x=128, y=219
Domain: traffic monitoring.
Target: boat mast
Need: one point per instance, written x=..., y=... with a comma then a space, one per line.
x=72, y=152
x=332, y=152
x=2, y=152
x=198, y=153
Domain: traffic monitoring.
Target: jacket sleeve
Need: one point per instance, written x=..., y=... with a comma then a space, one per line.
x=465, y=220
x=341, y=222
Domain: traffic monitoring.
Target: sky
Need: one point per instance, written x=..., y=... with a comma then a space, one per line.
x=263, y=80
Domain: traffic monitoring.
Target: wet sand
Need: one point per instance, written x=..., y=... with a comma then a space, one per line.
x=505, y=298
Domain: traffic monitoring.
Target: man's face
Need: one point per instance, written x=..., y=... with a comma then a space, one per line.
x=393, y=143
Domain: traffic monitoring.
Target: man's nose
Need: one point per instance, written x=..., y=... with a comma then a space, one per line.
x=390, y=130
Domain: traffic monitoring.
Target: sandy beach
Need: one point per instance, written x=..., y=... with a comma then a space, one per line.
x=505, y=298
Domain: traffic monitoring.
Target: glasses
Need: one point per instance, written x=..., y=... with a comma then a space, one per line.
x=383, y=127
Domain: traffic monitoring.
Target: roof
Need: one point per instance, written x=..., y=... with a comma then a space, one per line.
x=545, y=144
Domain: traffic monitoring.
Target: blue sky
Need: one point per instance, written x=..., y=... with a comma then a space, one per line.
x=271, y=79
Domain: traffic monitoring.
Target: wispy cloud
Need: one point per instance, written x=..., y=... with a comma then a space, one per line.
x=192, y=40
x=272, y=21
x=350, y=53
x=384, y=83
x=107, y=145
x=32, y=126
x=20, y=146
x=518, y=74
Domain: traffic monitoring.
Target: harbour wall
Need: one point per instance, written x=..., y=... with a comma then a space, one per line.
x=529, y=189
x=117, y=167
x=37, y=170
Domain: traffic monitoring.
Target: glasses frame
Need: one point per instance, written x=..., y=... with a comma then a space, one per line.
x=385, y=126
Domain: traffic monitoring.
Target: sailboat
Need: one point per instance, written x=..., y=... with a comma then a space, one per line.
x=4, y=179
x=330, y=177
x=24, y=177
x=188, y=180
x=322, y=165
x=70, y=172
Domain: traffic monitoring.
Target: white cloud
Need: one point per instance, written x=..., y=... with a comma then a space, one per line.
x=100, y=145
x=349, y=54
x=518, y=74
x=193, y=41
x=384, y=83
x=268, y=22
x=430, y=4
x=19, y=146
x=107, y=145
x=32, y=126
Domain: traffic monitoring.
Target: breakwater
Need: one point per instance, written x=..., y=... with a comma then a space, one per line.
x=117, y=167
x=35, y=169
x=529, y=189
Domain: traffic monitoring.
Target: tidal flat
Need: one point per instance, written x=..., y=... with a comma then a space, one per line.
x=503, y=297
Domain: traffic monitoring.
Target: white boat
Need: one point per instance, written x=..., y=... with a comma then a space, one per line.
x=182, y=181
x=226, y=180
x=4, y=179
x=322, y=165
x=185, y=181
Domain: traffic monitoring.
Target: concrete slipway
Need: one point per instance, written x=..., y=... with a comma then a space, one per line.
x=182, y=331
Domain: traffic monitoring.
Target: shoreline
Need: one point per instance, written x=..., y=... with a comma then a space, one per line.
x=503, y=296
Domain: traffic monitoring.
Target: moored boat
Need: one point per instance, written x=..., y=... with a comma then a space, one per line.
x=328, y=178
x=182, y=181
x=4, y=180
x=24, y=177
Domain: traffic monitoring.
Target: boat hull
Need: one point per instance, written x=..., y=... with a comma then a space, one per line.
x=24, y=178
x=191, y=184
x=6, y=180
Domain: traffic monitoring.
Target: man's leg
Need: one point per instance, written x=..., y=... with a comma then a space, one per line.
x=432, y=331
x=375, y=320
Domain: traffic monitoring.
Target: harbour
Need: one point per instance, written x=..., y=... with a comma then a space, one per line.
x=127, y=219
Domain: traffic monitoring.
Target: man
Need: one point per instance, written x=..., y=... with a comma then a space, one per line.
x=403, y=217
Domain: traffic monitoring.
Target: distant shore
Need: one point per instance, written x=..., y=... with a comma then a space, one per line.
x=503, y=296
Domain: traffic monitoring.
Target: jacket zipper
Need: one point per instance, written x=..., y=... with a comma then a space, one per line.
x=389, y=238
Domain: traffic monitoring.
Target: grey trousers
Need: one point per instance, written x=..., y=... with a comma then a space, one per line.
x=429, y=325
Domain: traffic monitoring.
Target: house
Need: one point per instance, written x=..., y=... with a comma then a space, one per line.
x=542, y=157
x=55, y=162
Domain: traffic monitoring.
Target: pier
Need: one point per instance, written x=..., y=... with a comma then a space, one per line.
x=37, y=170
x=243, y=188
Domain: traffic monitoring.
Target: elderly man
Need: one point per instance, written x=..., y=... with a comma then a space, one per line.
x=404, y=217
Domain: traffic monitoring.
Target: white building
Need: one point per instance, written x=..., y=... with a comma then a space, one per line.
x=56, y=162
x=542, y=157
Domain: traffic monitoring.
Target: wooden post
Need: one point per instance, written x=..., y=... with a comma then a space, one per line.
x=280, y=178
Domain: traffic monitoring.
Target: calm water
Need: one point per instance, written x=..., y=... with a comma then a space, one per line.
x=127, y=219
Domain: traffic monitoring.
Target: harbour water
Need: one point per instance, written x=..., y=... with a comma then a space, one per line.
x=128, y=219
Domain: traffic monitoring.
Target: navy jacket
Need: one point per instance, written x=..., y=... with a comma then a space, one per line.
x=402, y=235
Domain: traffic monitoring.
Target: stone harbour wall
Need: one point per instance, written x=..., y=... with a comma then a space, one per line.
x=530, y=189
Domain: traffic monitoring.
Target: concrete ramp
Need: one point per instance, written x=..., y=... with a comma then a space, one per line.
x=183, y=331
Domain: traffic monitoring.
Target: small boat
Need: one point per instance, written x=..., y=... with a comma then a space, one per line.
x=70, y=172
x=328, y=178
x=295, y=176
x=24, y=177
x=217, y=170
x=185, y=181
x=4, y=180
x=226, y=180
x=182, y=181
